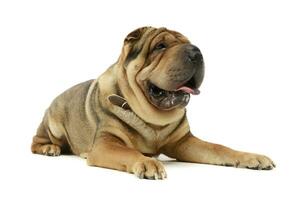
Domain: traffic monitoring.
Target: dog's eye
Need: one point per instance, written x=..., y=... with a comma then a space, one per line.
x=160, y=46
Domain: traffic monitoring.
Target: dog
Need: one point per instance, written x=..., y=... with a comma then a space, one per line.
x=136, y=110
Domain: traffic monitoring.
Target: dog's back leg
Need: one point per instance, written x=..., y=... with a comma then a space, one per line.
x=42, y=144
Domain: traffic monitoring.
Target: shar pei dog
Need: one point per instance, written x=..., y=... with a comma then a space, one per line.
x=135, y=111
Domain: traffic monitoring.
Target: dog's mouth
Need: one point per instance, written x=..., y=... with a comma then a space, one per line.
x=189, y=87
x=169, y=99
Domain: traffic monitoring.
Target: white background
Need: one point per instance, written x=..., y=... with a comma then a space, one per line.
x=249, y=99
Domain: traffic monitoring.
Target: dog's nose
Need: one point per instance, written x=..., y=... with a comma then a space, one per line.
x=194, y=54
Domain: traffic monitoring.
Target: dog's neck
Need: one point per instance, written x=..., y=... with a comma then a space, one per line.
x=119, y=101
x=149, y=132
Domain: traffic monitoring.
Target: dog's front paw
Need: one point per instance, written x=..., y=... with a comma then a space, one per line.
x=255, y=161
x=149, y=168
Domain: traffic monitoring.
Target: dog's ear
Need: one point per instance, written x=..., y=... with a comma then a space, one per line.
x=132, y=47
x=133, y=36
x=136, y=34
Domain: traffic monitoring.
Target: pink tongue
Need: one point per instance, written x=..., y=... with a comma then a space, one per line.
x=189, y=90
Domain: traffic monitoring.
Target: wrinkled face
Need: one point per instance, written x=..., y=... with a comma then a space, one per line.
x=167, y=67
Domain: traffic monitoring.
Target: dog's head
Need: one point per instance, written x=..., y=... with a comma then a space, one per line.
x=161, y=65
